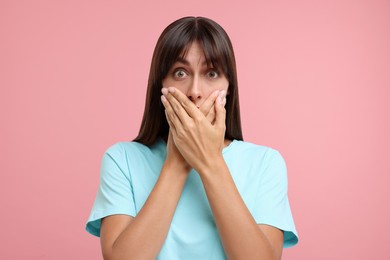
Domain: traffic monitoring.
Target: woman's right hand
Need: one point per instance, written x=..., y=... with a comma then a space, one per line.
x=174, y=159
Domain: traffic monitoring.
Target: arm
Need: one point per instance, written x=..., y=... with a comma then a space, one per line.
x=241, y=237
x=201, y=145
x=141, y=237
x=125, y=237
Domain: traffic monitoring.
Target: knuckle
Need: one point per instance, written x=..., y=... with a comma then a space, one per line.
x=169, y=110
x=185, y=128
x=185, y=103
x=175, y=106
x=190, y=126
x=203, y=110
x=181, y=134
x=172, y=117
x=198, y=120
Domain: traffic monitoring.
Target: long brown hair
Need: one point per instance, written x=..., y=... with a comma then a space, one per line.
x=173, y=44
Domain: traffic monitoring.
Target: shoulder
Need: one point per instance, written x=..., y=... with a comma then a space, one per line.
x=134, y=154
x=266, y=167
x=123, y=148
x=255, y=151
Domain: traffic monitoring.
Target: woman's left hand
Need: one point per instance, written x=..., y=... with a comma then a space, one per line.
x=199, y=141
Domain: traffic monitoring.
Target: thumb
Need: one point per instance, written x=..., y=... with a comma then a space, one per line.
x=220, y=111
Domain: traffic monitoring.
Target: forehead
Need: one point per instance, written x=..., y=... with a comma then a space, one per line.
x=194, y=54
x=192, y=51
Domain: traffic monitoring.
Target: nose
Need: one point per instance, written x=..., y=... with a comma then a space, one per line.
x=194, y=92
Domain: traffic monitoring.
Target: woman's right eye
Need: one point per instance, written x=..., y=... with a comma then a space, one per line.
x=180, y=74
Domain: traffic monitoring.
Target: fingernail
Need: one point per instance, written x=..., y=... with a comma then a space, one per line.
x=221, y=100
x=163, y=98
x=171, y=90
x=222, y=94
x=164, y=91
x=216, y=93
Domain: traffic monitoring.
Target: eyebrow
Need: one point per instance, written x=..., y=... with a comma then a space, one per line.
x=185, y=62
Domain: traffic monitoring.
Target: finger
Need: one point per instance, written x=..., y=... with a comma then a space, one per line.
x=220, y=110
x=181, y=103
x=171, y=125
x=207, y=105
x=172, y=119
x=175, y=110
x=211, y=115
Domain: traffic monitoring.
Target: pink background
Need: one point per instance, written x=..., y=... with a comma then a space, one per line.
x=314, y=80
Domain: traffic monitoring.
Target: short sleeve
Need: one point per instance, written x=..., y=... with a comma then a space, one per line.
x=115, y=193
x=273, y=207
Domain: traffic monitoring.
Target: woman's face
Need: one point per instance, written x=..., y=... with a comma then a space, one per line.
x=194, y=77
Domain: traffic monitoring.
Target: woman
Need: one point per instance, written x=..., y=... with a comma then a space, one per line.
x=188, y=186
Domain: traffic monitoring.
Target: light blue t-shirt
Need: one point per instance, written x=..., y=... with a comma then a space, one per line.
x=129, y=171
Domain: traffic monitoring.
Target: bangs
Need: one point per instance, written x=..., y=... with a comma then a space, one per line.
x=214, y=56
x=216, y=48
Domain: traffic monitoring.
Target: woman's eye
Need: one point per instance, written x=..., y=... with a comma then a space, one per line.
x=212, y=74
x=180, y=73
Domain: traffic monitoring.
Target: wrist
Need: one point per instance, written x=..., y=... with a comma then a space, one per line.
x=177, y=168
x=215, y=167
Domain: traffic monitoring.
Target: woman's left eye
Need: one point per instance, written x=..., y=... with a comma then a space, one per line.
x=212, y=74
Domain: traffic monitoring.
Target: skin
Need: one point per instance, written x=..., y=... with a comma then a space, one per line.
x=195, y=78
x=194, y=99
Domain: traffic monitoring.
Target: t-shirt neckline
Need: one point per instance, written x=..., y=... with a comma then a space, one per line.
x=224, y=150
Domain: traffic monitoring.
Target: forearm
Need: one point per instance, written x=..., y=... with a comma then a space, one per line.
x=240, y=235
x=146, y=233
